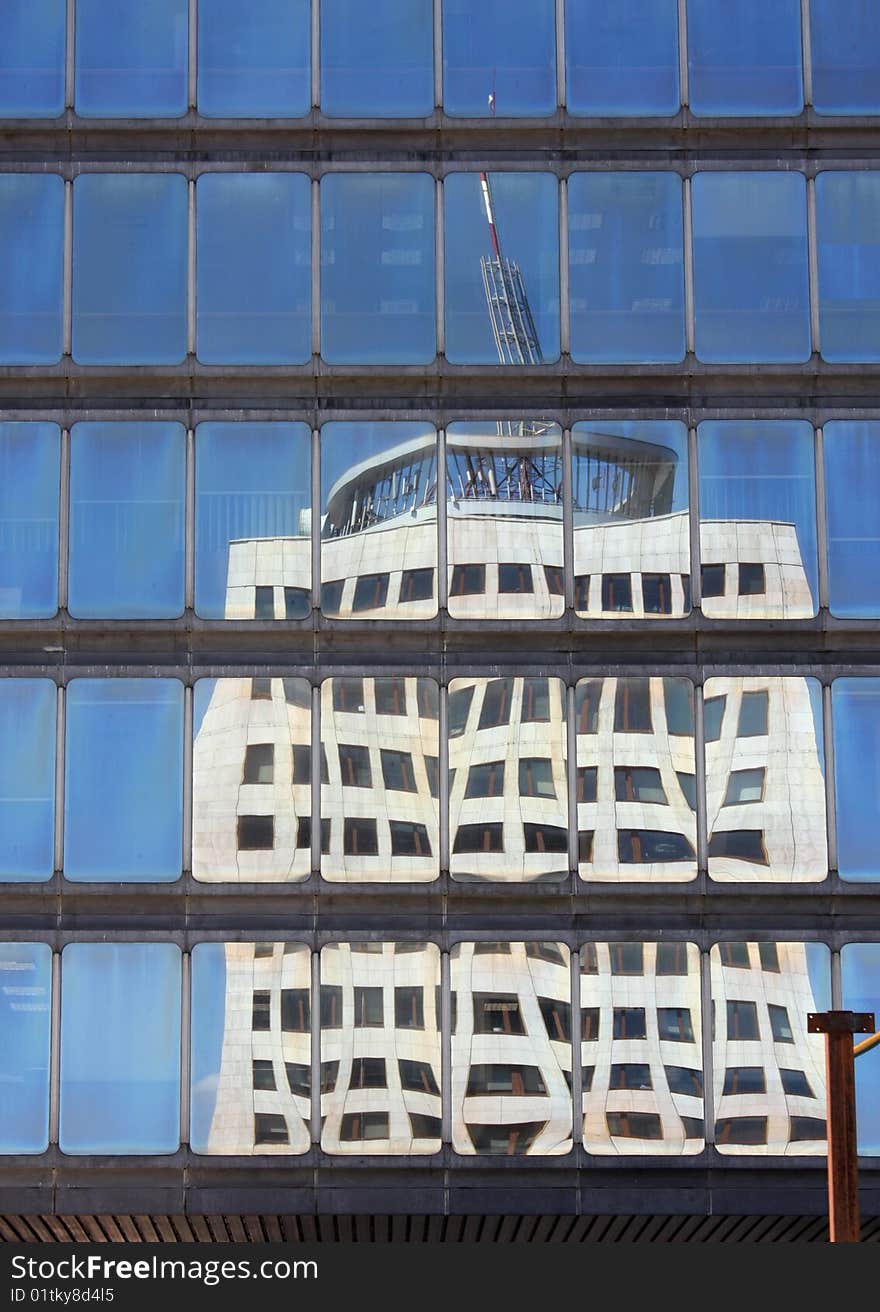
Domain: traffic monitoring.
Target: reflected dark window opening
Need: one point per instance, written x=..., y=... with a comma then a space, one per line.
x=329, y=1075
x=740, y=1080
x=259, y=764
x=263, y=1075
x=751, y=580
x=264, y=603
x=467, y=581
x=545, y=838
x=497, y=1013
x=753, y=715
x=688, y=784
x=634, y=1125
x=536, y=777
x=740, y=845
x=744, y=786
x=304, y=833
x=424, y=1127
x=656, y=594
x=587, y=1076
x=261, y=690
x=459, y=707
x=297, y=692
x=496, y=703
x=780, y=1025
x=678, y=699
x=261, y=1010
x=645, y=845
x=768, y=957
x=626, y=958
x=504, y=1140
x=630, y=1075
x=368, y=1073
x=299, y=1078
x=409, y=1008
x=331, y=596
x=348, y=695
x=557, y=1018
x=638, y=784
x=479, y=838
x=684, y=1080
x=585, y=846
x=432, y=770
x=536, y=701
x=590, y=1024
x=295, y=1011
x=397, y=771
x=587, y=697
x=586, y=783
x=672, y=959
x=360, y=838
x=360, y=1126
x=712, y=580
x=368, y=1010
x=331, y=1006
x=256, y=833
x=742, y=1020
x=409, y=839
x=417, y=1076
x=582, y=592
x=515, y=578
x=354, y=766
x=428, y=699
x=589, y=959
x=741, y=1130
x=370, y=592
x=632, y=707
x=270, y=1127
x=802, y=1128
x=617, y=592
x=796, y=1083
x=629, y=1023
x=553, y=577
x=297, y=603
x=501, y=1080
x=416, y=585
x=390, y=696
x=713, y=718
x=485, y=780
x=734, y=954
x=674, y=1023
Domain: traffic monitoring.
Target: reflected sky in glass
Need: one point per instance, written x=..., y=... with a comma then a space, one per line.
x=32, y=45
x=123, y=805
x=751, y=286
x=860, y=967
x=504, y=49
x=847, y=220
x=377, y=59
x=845, y=53
x=129, y=268
x=253, y=480
x=763, y=471
x=377, y=268
x=25, y=1021
x=852, y=494
x=626, y=267
x=527, y=224
x=744, y=58
x=855, y=709
x=120, y=1048
x=621, y=58
x=31, y=255
x=206, y=1037
x=30, y=457
x=254, y=59
x=126, y=520
x=131, y=58
x=27, y=779
x=379, y=518
x=253, y=271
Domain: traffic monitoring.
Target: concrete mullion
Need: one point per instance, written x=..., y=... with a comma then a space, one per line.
x=442, y=525
x=439, y=267
x=836, y=980
x=189, y=523
x=316, y=779
x=187, y=780
x=438, y=54
x=560, y=55
x=707, y=1046
x=70, y=55
x=185, y=1044
x=55, y=1050
x=577, y=1094
x=830, y=774
x=571, y=781
x=445, y=1048
x=443, y=778
x=564, y=283
x=60, y=722
x=688, y=251
x=694, y=518
x=193, y=56
x=316, y=53
x=821, y=520
x=315, y=1125
x=683, y=72
x=64, y=521
x=315, y=519
x=316, y=267
x=700, y=772
x=567, y=519
x=191, y=257
x=67, y=273
x=813, y=260
x=807, y=53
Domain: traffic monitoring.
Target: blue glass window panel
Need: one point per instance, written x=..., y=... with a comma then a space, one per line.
x=501, y=47
x=751, y=283
x=377, y=59
x=527, y=222
x=848, y=240
x=253, y=480
x=120, y=1048
x=131, y=58
x=123, y=804
x=30, y=473
x=745, y=57
x=31, y=262
x=127, y=487
x=253, y=290
x=860, y=969
x=208, y=1022
x=626, y=266
x=845, y=54
x=25, y=1041
x=254, y=59
x=377, y=268
x=622, y=58
x=129, y=268
x=27, y=779
x=852, y=495
x=32, y=45
x=855, y=709
x=762, y=470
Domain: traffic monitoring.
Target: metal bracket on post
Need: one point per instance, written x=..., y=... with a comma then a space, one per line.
x=843, y=1185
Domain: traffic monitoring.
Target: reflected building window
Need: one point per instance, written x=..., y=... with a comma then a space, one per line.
x=250, y=1051
x=384, y=1045
x=380, y=803
x=511, y=1050
x=766, y=814
x=642, y=1095
x=636, y=803
x=508, y=812
x=379, y=520
x=504, y=520
x=769, y=1072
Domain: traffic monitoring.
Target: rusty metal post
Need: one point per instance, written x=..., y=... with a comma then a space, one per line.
x=843, y=1184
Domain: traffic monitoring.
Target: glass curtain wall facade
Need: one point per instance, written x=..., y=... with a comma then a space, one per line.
x=439, y=599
